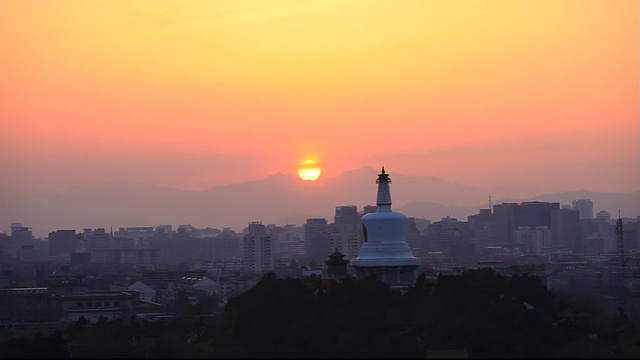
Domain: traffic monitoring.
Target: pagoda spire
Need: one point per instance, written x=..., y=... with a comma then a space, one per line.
x=384, y=195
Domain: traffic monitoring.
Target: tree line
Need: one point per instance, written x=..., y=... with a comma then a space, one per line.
x=481, y=312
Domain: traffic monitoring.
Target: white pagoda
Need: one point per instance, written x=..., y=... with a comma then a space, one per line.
x=385, y=252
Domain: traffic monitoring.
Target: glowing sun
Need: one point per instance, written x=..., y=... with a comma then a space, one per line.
x=309, y=170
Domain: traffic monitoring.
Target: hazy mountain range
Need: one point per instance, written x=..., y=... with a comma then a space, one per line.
x=279, y=199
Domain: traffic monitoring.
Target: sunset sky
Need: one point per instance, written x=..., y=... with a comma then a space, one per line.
x=194, y=94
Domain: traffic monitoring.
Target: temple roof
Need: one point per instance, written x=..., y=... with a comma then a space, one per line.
x=336, y=258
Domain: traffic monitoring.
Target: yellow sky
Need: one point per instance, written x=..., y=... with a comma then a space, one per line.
x=193, y=94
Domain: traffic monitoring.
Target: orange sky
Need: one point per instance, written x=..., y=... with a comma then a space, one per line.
x=193, y=94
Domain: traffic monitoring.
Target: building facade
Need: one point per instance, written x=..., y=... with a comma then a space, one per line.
x=258, y=249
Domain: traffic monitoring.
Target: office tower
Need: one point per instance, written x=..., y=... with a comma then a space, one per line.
x=414, y=237
x=141, y=235
x=481, y=229
x=585, y=207
x=533, y=239
x=450, y=237
x=317, y=236
x=21, y=237
x=503, y=223
x=507, y=217
x=479, y=221
x=345, y=234
x=227, y=245
x=603, y=216
x=565, y=226
x=258, y=252
x=367, y=209
x=62, y=242
x=534, y=213
x=164, y=229
x=98, y=239
x=6, y=243
x=346, y=238
x=347, y=215
x=288, y=241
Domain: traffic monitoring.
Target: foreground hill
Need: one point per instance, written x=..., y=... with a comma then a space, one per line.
x=479, y=313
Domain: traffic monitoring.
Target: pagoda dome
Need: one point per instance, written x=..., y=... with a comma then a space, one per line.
x=385, y=251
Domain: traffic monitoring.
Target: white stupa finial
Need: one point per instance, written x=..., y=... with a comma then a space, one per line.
x=384, y=195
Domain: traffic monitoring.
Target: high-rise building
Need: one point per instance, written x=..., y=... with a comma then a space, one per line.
x=480, y=220
x=98, y=239
x=631, y=231
x=62, y=242
x=141, y=235
x=566, y=232
x=164, y=229
x=6, y=244
x=534, y=239
x=188, y=230
x=21, y=237
x=450, y=237
x=80, y=254
x=534, y=213
x=603, y=215
x=507, y=217
x=638, y=232
x=258, y=251
x=367, y=209
x=503, y=223
x=385, y=252
x=415, y=239
x=481, y=228
x=347, y=215
x=585, y=207
x=227, y=245
x=288, y=241
x=317, y=235
x=346, y=238
x=345, y=234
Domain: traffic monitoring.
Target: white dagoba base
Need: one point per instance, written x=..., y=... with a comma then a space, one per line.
x=397, y=277
x=391, y=262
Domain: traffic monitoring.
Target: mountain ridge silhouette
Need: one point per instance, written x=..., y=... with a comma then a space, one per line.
x=276, y=199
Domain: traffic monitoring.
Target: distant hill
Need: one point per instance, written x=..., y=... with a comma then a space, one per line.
x=277, y=199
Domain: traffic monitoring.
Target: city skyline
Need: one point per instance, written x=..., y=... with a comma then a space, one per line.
x=193, y=95
x=280, y=199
